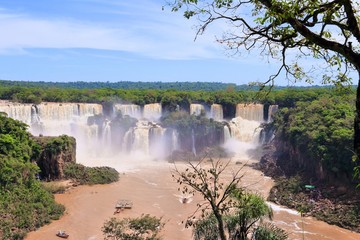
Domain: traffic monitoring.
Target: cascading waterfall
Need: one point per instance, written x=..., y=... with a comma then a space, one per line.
x=174, y=140
x=141, y=138
x=269, y=135
x=227, y=134
x=246, y=125
x=196, y=109
x=131, y=110
x=216, y=112
x=157, y=142
x=99, y=137
x=245, y=130
x=106, y=133
x=253, y=112
x=193, y=142
x=21, y=112
x=152, y=111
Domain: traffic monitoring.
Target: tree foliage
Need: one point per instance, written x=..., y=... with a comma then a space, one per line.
x=327, y=30
x=317, y=128
x=24, y=204
x=208, y=182
x=90, y=175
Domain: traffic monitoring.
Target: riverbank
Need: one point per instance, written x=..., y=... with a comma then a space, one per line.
x=334, y=204
x=338, y=206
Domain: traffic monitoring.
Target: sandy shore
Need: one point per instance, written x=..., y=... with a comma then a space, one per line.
x=152, y=190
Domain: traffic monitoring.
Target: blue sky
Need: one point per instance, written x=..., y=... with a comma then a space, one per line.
x=115, y=40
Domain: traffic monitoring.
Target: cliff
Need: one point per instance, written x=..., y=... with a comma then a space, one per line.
x=283, y=158
x=333, y=197
x=55, y=152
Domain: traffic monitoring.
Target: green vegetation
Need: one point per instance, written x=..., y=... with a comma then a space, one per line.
x=182, y=86
x=90, y=175
x=54, y=153
x=322, y=131
x=54, y=187
x=145, y=227
x=24, y=204
x=170, y=98
x=59, y=144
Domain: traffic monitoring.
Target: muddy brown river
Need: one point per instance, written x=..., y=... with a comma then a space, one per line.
x=152, y=190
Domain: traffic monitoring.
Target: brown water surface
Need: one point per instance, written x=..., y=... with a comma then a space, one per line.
x=152, y=190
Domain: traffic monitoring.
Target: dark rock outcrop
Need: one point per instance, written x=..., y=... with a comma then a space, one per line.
x=55, y=152
x=268, y=162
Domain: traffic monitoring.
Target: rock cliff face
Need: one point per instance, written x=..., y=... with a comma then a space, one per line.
x=294, y=160
x=283, y=158
x=55, y=152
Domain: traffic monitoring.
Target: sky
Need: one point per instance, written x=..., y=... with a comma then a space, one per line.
x=116, y=40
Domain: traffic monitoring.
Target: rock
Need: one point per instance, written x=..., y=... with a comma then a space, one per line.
x=55, y=153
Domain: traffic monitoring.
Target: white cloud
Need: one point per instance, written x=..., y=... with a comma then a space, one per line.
x=151, y=32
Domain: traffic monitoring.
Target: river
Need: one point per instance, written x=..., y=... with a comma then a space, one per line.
x=152, y=190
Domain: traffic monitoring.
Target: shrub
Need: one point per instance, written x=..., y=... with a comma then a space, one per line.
x=88, y=175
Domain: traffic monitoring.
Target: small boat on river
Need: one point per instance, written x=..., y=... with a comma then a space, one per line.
x=62, y=234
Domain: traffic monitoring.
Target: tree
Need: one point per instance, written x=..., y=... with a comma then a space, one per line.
x=216, y=191
x=327, y=30
x=145, y=227
x=249, y=209
x=225, y=205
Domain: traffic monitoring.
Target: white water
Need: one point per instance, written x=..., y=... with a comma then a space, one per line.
x=254, y=112
x=147, y=140
x=196, y=109
x=131, y=110
x=216, y=112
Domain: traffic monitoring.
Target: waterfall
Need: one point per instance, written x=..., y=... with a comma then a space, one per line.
x=193, y=142
x=128, y=140
x=196, y=109
x=254, y=112
x=88, y=109
x=106, y=133
x=245, y=130
x=99, y=137
x=174, y=140
x=141, y=138
x=157, y=142
x=272, y=110
x=58, y=111
x=152, y=111
x=227, y=134
x=21, y=112
x=128, y=109
x=216, y=112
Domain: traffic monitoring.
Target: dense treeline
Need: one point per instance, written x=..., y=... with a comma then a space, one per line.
x=321, y=132
x=26, y=92
x=182, y=86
